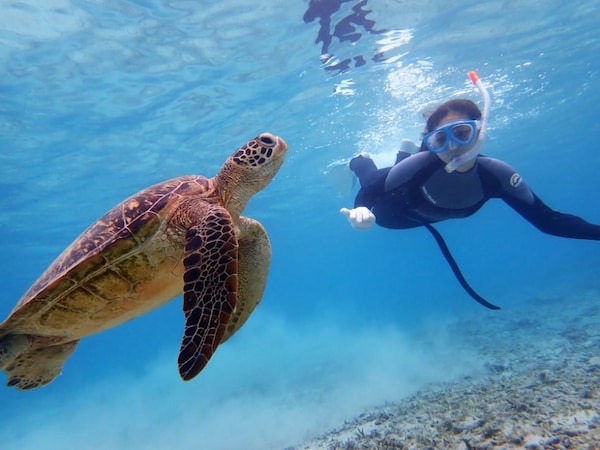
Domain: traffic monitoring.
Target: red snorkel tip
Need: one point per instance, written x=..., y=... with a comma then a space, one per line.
x=473, y=76
x=457, y=161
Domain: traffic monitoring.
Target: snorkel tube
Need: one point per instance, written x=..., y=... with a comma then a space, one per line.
x=486, y=101
x=460, y=160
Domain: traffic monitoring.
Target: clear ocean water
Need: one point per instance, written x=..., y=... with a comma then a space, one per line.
x=99, y=99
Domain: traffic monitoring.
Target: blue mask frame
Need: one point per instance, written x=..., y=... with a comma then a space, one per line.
x=462, y=132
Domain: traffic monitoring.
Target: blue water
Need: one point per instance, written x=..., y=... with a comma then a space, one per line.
x=99, y=99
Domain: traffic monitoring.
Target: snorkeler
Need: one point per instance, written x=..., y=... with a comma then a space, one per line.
x=449, y=179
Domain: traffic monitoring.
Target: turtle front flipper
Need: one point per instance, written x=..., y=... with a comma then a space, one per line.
x=34, y=368
x=210, y=284
x=254, y=261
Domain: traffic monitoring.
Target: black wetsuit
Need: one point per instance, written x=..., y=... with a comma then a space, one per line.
x=417, y=190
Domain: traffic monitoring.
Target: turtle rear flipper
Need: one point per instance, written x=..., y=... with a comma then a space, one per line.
x=11, y=346
x=35, y=368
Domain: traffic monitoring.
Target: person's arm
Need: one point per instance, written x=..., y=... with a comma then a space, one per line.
x=553, y=222
x=508, y=185
x=372, y=180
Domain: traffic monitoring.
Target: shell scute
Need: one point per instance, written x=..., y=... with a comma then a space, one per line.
x=122, y=230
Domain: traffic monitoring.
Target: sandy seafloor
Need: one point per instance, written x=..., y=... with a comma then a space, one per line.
x=541, y=390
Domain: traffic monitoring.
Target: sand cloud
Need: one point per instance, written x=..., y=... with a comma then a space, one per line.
x=274, y=385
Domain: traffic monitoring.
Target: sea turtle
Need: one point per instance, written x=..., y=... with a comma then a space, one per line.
x=184, y=235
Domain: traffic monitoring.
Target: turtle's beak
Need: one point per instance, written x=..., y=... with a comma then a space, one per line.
x=281, y=146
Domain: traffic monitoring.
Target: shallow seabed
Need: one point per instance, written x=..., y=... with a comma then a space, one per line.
x=540, y=389
x=367, y=333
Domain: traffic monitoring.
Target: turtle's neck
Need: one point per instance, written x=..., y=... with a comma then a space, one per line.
x=233, y=192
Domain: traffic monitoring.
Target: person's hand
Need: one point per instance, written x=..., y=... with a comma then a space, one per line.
x=360, y=218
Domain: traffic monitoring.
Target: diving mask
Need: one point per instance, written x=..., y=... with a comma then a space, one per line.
x=462, y=132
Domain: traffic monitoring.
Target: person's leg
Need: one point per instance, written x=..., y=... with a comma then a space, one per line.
x=401, y=155
x=363, y=167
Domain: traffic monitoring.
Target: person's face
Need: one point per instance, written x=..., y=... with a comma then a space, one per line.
x=454, y=149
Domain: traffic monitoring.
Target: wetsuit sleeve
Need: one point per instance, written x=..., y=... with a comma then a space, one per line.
x=553, y=222
x=372, y=181
x=514, y=191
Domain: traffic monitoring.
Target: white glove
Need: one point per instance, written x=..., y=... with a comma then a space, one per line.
x=360, y=218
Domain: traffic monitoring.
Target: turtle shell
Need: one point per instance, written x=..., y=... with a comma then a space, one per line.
x=109, y=263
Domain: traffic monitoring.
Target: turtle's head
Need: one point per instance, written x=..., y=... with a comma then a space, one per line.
x=252, y=167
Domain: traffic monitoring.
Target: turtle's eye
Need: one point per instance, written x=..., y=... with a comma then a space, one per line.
x=266, y=140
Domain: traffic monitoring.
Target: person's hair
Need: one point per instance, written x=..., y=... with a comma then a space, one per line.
x=460, y=105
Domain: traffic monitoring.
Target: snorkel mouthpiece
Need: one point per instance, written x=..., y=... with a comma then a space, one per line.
x=461, y=159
